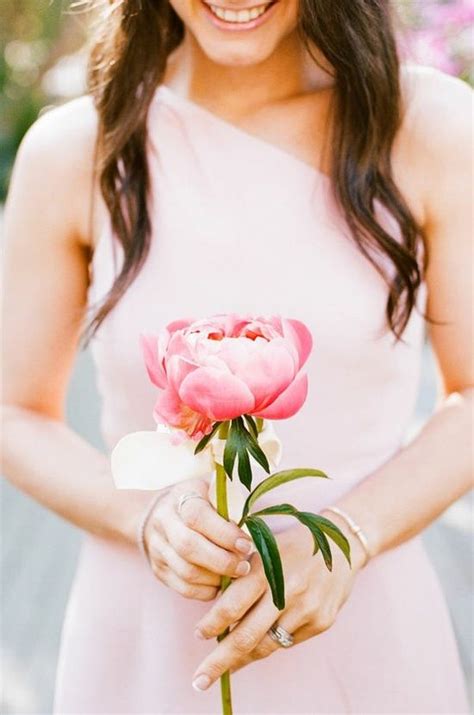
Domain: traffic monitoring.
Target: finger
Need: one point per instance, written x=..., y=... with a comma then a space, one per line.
x=201, y=516
x=240, y=642
x=264, y=649
x=196, y=549
x=232, y=605
x=161, y=552
x=155, y=548
x=189, y=572
x=187, y=590
x=292, y=622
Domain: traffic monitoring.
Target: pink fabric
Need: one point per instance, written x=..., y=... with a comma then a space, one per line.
x=241, y=225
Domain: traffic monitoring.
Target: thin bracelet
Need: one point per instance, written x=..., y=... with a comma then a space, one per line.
x=140, y=532
x=355, y=528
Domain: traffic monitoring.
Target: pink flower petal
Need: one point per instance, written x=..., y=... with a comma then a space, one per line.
x=153, y=363
x=170, y=410
x=299, y=335
x=288, y=402
x=178, y=345
x=265, y=326
x=168, y=407
x=235, y=322
x=177, y=368
x=176, y=325
x=267, y=368
x=217, y=395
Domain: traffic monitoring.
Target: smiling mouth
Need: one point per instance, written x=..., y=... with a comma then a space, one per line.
x=239, y=17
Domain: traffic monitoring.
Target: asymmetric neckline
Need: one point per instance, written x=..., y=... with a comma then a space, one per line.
x=167, y=93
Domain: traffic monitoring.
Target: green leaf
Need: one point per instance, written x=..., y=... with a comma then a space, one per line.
x=267, y=547
x=236, y=443
x=335, y=534
x=258, y=454
x=276, y=480
x=285, y=509
x=310, y=520
x=230, y=452
x=245, y=470
x=252, y=425
x=250, y=442
x=207, y=438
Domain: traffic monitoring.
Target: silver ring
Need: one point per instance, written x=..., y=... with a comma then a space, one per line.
x=281, y=636
x=188, y=495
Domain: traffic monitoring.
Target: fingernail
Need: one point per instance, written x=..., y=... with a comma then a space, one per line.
x=202, y=682
x=243, y=545
x=199, y=634
x=243, y=568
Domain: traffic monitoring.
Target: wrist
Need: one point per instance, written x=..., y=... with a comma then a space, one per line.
x=358, y=554
x=142, y=507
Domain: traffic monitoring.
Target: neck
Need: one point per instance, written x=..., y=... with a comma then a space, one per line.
x=236, y=90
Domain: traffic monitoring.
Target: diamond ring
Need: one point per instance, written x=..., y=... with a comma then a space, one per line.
x=281, y=636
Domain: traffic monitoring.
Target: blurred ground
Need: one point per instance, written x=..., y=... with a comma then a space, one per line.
x=39, y=549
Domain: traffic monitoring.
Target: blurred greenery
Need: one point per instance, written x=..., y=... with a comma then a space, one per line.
x=34, y=36
x=43, y=53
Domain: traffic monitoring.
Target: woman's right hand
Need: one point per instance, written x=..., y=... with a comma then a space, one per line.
x=189, y=552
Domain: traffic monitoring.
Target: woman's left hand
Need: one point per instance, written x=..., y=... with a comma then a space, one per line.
x=314, y=596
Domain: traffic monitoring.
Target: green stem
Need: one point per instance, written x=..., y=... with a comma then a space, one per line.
x=222, y=509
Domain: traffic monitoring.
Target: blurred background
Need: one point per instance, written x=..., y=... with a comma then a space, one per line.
x=43, y=53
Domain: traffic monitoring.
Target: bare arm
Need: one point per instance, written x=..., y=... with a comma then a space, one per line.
x=45, y=284
x=405, y=495
x=46, y=280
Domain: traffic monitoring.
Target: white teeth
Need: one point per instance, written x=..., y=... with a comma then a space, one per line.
x=240, y=16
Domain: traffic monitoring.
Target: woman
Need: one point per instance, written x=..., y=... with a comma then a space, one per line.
x=273, y=159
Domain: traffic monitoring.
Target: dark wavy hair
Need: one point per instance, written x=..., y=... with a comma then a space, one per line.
x=357, y=37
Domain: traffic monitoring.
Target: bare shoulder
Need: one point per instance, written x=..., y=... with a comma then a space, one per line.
x=436, y=104
x=67, y=130
x=55, y=159
x=436, y=133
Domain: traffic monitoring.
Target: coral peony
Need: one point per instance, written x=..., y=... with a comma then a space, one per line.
x=225, y=366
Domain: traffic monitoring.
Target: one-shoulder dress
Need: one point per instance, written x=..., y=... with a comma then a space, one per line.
x=241, y=225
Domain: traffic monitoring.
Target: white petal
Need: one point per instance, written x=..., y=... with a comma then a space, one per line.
x=149, y=460
x=270, y=443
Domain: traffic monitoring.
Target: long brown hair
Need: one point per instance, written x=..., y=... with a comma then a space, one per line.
x=127, y=62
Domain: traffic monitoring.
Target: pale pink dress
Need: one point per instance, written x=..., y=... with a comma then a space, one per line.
x=241, y=225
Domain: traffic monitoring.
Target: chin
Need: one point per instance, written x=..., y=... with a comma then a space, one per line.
x=241, y=55
x=224, y=44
